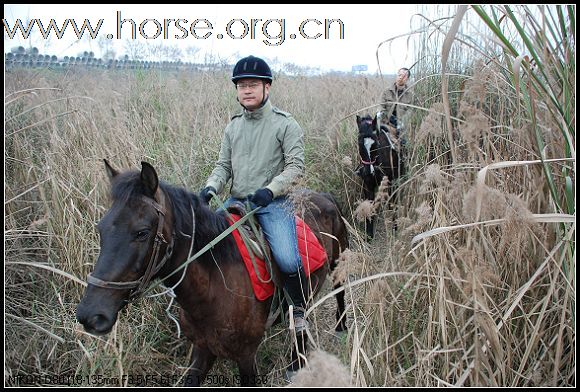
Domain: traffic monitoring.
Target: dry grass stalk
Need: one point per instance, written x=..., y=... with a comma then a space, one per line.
x=474, y=305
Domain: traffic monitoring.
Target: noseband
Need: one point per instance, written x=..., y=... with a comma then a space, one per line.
x=153, y=267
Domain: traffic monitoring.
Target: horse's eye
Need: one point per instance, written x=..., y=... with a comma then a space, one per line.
x=142, y=235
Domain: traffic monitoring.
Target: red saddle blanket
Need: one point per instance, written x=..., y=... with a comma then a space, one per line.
x=311, y=251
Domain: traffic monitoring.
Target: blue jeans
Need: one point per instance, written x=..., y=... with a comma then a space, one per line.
x=279, y=227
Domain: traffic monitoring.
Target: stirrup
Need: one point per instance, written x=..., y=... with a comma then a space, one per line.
x=300, y=324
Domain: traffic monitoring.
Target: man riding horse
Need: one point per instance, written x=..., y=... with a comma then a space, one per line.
x=262, y=152
x=392, y=111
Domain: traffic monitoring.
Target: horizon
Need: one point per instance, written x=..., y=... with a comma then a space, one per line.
x=33, y=58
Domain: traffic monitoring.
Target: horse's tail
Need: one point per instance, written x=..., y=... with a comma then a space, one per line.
x=339, y=229
x=339, y=226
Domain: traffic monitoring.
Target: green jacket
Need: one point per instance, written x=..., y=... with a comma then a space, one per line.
x=390, y=99
x=262, y=148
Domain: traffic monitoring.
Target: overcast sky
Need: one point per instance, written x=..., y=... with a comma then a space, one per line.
x=292, y=33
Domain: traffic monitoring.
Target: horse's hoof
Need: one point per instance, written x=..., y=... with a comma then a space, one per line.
x=339, y=337
x=341, y=327
x=289, y=376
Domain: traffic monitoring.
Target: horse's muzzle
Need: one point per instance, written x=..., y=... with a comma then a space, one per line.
x=98, y=317
x=96, y=324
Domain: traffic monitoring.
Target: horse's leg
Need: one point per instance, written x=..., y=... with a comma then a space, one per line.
x=393, y=185
x=248, y=372
x=369, y=194
x=371, y=228
x=340, y=310
x=299, y=351
x=201, y=362
x=393, y=204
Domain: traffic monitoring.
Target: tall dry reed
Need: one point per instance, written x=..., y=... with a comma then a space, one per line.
x=59, y=127
x=470, y=280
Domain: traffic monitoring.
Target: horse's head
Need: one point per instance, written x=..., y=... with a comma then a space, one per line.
x=366, y=126
x=133, y=247
x=367, y=141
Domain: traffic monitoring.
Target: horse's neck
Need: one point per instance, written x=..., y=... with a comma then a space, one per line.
x=208, y=225
x=384, y=141
x=194, y=278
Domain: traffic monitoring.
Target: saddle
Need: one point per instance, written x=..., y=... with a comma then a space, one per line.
x=263, y=271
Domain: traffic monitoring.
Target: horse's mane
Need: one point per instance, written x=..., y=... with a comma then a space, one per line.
x=208, y=223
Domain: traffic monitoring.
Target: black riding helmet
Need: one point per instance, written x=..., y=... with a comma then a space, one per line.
x=252, y=67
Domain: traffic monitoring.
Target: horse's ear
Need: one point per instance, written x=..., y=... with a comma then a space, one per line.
x=358, y=120
x=149, y=178
x=374, y=124
x=112, y=173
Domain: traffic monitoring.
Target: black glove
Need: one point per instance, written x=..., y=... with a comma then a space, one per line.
x=262, y=197
x=205, y=195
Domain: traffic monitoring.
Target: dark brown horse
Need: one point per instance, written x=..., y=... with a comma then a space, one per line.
x=147, y=234
x=379, y=157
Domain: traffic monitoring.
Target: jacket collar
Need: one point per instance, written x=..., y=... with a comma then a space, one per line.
x=260, y=112
x=400, y=89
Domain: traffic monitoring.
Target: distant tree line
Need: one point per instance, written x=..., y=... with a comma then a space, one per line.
x=20, y=57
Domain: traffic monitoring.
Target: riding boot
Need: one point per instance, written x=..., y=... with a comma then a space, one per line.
x=296, y=288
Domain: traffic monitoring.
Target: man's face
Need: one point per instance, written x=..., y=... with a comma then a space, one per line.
x=251, y=92
x=402, y=77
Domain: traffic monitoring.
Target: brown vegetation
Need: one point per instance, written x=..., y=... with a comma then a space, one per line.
x=476, y=287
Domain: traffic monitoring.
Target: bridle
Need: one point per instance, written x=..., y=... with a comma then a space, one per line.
x=369, y=163
x=154, y=265
x=379, y=146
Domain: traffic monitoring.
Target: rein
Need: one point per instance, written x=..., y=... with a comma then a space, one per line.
x=368, y=163
x=369, y=122
x=153, y=267
x=388, y=136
